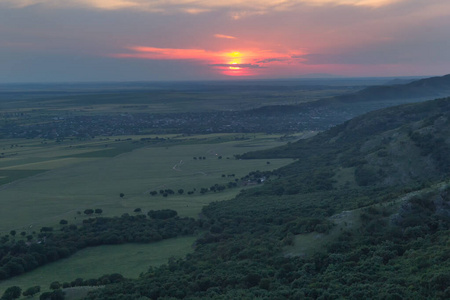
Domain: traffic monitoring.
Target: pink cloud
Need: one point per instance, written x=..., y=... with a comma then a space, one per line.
x=233, y=62
x=223, y=36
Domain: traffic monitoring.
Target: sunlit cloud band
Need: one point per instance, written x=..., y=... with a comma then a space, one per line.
x=193, y=7
x=229, y=60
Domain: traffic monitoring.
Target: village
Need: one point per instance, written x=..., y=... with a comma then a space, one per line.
x=25, y=125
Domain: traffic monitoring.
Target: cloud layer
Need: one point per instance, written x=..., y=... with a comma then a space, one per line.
x=193, y=6
x=186, y=39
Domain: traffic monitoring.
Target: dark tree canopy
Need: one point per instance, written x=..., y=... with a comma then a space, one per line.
x=162, y=214
x=12, y=292
x=32, y=291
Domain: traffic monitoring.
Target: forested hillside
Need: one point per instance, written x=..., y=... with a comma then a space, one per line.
x=374, y=194
x=324, y=113
x=398, y=145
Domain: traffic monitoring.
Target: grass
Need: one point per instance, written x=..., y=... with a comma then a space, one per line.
x=44, y=165
x=75, y=293
x=345, y=177
x=46, y=198
x=309, y=243
x=8, y=176
x=129, y=260
x=75, y=183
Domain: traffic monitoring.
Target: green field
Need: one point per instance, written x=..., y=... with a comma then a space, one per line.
x=45, y=181
x=74, y=184
x=48, y=181
x=129, y=260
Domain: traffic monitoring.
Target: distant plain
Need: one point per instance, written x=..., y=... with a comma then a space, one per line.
x=43, y=181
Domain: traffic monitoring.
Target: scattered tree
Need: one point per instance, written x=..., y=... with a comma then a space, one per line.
x=98, y=211
x=45, y=296
x=32, y=291
x=46, y=229
x=121, y=195
x=55, y=295
x=12, y=292
x=55, y=285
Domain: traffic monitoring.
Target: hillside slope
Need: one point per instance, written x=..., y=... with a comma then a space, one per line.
x=327, y=112
x=389, y=166
x=428, y=88
x=397, y=145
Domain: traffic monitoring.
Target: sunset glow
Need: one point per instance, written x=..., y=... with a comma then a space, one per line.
x=230, y=63
x=214, y=39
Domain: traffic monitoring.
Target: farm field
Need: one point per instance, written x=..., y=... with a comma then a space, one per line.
x=129, y=260
x=71, y=179
x=86, y=99
x=45, y=182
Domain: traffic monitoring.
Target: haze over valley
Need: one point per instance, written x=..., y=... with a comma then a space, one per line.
x=207, y=150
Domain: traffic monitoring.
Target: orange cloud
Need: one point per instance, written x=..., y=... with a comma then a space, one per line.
x=228, y=62
x=223, y=36
x=165, y=53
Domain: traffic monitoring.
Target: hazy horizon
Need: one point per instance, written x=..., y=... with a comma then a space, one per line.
x=233, y=80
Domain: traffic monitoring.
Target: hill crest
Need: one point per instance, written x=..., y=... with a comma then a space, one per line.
x=397, y=145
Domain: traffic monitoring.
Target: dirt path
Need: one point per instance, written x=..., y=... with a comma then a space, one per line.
x=176, y=167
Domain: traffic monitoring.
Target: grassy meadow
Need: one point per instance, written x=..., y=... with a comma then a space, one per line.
x=44, y=182
x=129, y=260
x=67, y=184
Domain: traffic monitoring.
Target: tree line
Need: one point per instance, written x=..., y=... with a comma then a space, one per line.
x=18, y=256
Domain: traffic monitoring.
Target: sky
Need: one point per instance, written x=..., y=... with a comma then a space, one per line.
x=160, y=40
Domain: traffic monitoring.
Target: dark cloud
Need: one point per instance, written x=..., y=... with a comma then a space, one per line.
x=269, y=60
